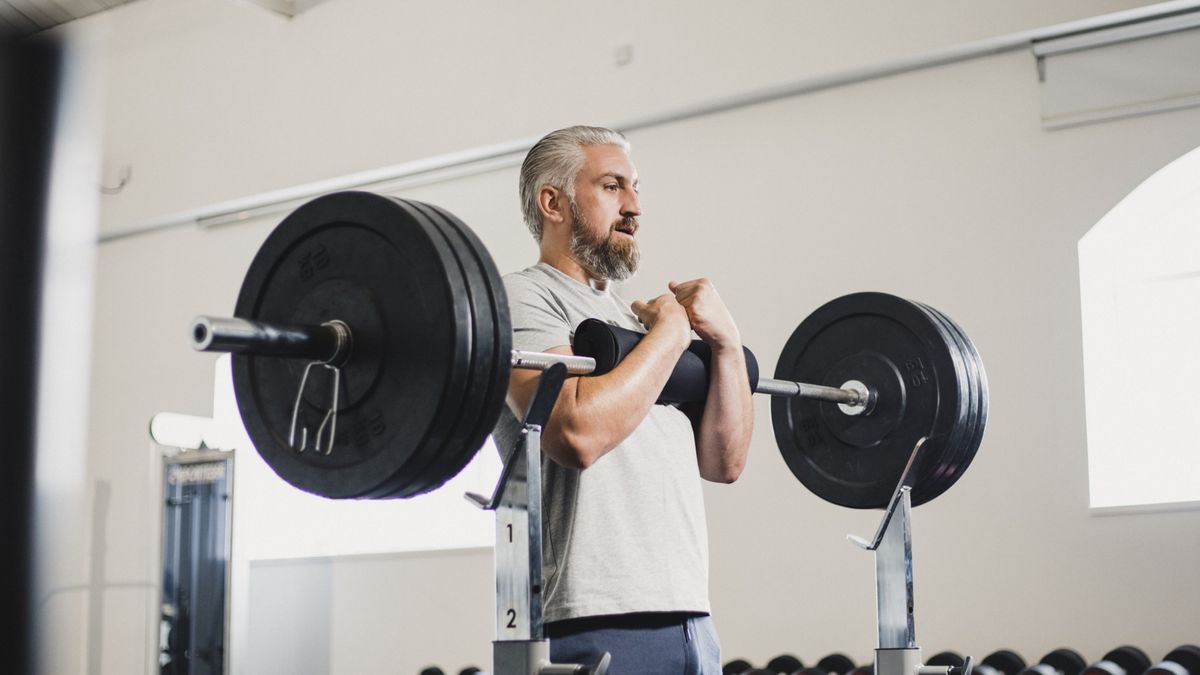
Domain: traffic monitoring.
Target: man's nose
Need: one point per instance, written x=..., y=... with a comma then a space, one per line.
x=631, y=207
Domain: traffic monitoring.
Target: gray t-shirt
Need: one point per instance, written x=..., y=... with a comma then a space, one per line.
x=628, y=533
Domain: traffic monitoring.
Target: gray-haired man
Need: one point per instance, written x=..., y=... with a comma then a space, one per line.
x=625, y=542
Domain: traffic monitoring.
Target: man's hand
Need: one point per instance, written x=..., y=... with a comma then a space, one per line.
x=668, y=315
x=707, y=313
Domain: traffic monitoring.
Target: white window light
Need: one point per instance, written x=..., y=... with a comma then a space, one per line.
x=1139, y=273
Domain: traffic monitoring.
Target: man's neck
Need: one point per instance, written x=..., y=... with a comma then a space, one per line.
x=563, y=262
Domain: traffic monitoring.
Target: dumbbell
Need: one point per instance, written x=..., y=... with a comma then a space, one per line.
x=1001, y=662
x=1058, y=662
x=736, y=667
x=953, y=661
x=470, y=670
x=867, y=669
x=1183, y=660
x=1126, y=660
x=432, y=670
x=835, y=664
x=784, y=664
x=947, y=659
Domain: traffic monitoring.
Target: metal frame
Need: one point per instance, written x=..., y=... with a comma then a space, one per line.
x=897, y=652
x=174, y=455
x=521, y=647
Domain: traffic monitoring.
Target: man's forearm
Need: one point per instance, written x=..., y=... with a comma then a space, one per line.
x=726, y=425
x=594, y=414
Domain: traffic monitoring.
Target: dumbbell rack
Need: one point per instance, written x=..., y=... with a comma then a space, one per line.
x=898, y=653
x=521, y=647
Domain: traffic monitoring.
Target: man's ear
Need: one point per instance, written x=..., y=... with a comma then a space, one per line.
x=552, y=202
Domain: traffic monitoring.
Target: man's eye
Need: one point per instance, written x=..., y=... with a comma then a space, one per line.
x=611, y=186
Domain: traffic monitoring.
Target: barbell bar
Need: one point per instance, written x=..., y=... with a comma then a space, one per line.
x=330, y=343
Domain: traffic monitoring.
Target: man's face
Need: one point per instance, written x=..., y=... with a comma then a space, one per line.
x=604, y=213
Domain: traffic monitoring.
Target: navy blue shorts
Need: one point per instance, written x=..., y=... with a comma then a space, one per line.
x=650, y=644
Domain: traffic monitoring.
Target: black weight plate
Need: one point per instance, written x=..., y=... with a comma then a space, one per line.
x=1065, y=661
x=979, y=384
x=501, y=366
x=1006, y=661
x=494, y=386
x=856, y=461
x=1187, y=656
x=364, y=259
x=940, y=472
x=456, y=455
x=430, y=469
x=951, y=467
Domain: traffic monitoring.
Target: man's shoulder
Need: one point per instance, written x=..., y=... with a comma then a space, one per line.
x=529, y=281
x=540, y=280
x=529, y=275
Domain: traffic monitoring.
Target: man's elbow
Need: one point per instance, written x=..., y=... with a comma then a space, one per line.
x=725, y=466
x=576, y=450
x=725, y=474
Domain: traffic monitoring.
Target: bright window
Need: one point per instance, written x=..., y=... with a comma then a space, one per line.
x=1140, y=295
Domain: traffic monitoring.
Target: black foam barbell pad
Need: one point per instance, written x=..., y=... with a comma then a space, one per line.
x=609, y=345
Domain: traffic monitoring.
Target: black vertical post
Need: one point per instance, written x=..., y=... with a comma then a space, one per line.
x=30, y=74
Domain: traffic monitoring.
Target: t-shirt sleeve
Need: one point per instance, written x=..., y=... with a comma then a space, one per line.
x=538, y=320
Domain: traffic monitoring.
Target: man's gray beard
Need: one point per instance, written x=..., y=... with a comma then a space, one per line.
x=603, y=257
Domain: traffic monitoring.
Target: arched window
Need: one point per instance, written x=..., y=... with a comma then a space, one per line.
x=1139, y=270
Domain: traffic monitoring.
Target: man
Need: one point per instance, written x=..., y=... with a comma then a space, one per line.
x=625, y=550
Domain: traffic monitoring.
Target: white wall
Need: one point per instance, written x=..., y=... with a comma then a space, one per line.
x=938, y=185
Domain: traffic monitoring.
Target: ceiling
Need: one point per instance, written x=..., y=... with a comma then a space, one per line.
x=31, y=16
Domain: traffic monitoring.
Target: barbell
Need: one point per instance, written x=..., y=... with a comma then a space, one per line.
x=383, y=324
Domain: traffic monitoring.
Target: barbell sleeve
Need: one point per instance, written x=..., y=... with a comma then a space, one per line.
x=772, y=387
x=576, y=365
x=327, y=342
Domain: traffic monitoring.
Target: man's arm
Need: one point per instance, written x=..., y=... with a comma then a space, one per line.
x=594, y=414
x=727, y=421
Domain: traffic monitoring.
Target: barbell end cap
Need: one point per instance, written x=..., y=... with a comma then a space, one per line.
x=201, y=333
